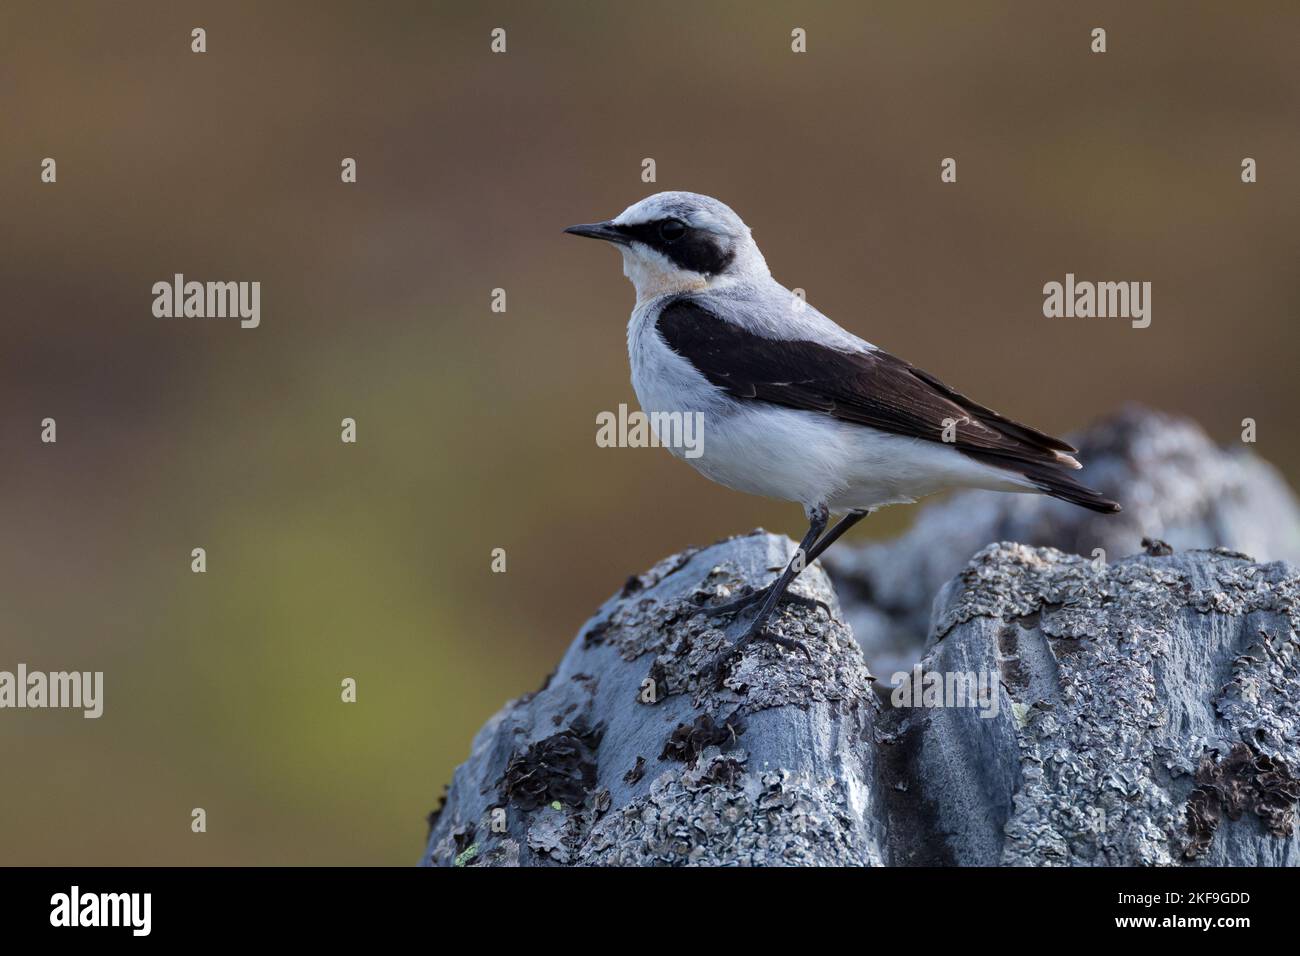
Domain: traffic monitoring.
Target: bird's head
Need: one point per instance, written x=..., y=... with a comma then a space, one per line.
x=678, y=242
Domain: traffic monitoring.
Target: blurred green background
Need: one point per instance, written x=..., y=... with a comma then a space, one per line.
x=476, y=430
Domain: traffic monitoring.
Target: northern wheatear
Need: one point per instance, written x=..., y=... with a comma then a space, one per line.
x=795, y=407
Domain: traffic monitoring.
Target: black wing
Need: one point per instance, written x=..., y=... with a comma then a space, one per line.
x=868, y=388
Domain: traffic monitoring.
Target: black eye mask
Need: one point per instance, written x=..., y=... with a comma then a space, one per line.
x=689, y=248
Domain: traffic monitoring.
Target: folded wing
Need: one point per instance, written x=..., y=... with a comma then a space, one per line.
x=867, y=387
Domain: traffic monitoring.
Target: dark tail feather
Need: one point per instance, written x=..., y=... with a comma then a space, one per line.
x=1084, y=497
x=1052, y=480
x=1059, y=485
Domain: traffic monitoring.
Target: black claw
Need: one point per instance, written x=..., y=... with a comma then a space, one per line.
x=788, y=643
x=811, y=603
x=717, y=668
x=736, y=605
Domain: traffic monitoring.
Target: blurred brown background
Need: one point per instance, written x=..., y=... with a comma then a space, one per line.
x=476, y=430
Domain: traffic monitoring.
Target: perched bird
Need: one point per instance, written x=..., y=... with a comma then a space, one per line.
x=794, y=406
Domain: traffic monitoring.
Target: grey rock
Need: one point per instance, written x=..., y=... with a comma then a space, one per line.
x=630, y=755
x=1144, y=704
x=1143, y=711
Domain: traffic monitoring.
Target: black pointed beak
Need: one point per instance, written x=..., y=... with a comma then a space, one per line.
x=599, y=230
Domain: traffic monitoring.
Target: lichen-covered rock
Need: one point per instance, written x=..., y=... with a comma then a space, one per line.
x=1149, y=712
x=1069, y=709
x=1175, y=485
x=633, y=755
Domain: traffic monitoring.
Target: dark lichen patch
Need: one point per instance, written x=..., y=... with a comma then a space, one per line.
x=1062, y=646
x=659, y=680
x=465, y=849
x=1244, y=781
x=1155, y=548
x=688, y=741
x=666, y=567
x=560, y=768
x=595, y=634
x=724, y=771
x=436, y=812
x=546, y=683
x=1013, y=671
x=1029, y=621
x=634, y=775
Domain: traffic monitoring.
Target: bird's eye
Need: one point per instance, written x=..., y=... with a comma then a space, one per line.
x=670, y=230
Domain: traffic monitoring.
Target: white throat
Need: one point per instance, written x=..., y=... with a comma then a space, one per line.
x=654, y=274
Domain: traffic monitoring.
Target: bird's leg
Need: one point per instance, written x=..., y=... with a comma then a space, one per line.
x=753, y=597
x=844, y=524
x=817, y=518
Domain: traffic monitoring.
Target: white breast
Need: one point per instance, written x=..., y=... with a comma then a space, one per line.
x=762, y=450
x=662, y=379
